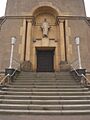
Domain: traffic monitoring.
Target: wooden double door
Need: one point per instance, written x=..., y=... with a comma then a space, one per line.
x=45, y=60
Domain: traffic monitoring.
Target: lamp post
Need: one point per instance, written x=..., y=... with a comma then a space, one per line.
x=77, y=40
x=13, y=41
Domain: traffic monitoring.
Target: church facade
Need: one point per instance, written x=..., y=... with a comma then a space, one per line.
x=53, y=49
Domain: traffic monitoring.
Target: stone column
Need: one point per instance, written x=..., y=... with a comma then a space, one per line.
x=62, y=42
x=28, y=40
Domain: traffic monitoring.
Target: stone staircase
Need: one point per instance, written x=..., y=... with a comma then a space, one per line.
x=46, y=94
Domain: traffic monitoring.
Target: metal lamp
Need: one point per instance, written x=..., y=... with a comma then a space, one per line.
x=77, y=41
x=13, y=41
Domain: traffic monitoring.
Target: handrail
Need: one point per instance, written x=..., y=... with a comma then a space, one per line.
x=76, y=72
x=4, y=79
x=13, y=72
x=85, y=78
x=85, y=81
x=8, y=75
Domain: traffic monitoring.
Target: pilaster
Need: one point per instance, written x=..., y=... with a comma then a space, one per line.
x=62, y=41
x=28, y=40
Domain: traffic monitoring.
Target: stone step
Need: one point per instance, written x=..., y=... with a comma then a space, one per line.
x=14, y=112
x=49, y=86
x=44, y=112
x=63, y=73
x=44, y=107
x=34, y=78
x=25, y=80
x=75, y=112
x=44, y=84
x=76, y=107
x=75, y=101
x=45, y=73
x=43, y=97
x=43, y=93
x=43, y=78
x=64, y=76
x=53, y=73
x=14, y=106
x=45, y=89
x=38, y=76
x=44, y=102
x=30, y=107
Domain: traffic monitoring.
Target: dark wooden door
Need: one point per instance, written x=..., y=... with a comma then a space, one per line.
x=45, y=61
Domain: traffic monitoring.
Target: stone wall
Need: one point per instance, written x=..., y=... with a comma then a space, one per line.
x=25, y=7
x=69, y=26
x=11, y=27
x=74, y=27
x=82, y=29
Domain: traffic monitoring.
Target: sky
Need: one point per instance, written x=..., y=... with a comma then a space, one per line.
x=3, y=5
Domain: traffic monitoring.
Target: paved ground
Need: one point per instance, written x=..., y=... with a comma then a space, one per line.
x=44, y=117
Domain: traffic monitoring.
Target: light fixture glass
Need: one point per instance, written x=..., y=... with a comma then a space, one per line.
x=13, y=40
x=77, y=40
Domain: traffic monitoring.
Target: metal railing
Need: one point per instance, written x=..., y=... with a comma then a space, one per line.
x=4, y=79
x=8, y=77
x=83, y=79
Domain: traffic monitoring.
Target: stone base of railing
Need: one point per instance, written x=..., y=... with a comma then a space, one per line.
x=9, y=71
x=81, y=71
